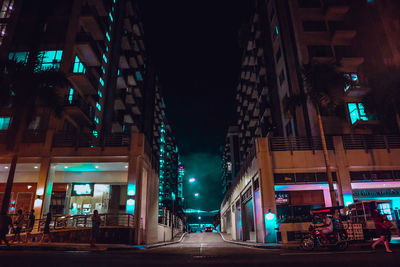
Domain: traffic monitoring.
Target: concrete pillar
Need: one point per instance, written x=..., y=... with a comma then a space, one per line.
x=343, y=173
x=233, y=220
x=44, y=188
x=267, y=184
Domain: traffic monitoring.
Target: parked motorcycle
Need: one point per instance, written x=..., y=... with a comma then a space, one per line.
x=337, y=240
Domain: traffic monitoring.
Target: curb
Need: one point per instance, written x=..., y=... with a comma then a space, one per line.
x=255, y=245
x=167, y=243
x=64, y=248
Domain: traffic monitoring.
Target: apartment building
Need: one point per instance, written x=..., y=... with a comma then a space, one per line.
x=104, y=153
x=362, y=37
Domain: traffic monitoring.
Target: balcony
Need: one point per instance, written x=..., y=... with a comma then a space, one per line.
x=66, y=139
x=334, y=8
x=341, y=36
x=78, y=109
x=83, y=82
x=92, y=23
x=87, y=49
x=123, y=61
x=348, y=56
x=121, y=81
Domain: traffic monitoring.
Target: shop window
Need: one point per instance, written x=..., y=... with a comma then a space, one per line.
x=78, y=66
x=50, y=59
x=21, y=57
x=357, y=112
x=353, y=78
x=4, y=123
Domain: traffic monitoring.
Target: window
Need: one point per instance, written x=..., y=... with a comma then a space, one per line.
x=103, y=70
x=6, y=9
x=276, y=32
x=108, y=37
x=100, y=93
x=111, y=17
x=78, y=66
x=101, y=81
x=282, y=77
x=34, y=124
x=104, y=58
x=50, y=59
x=19, y=56
x=95, y=133
x=98, y=106
x=96, y=119
x=71, y=95
x=353, y=78
x=357, y=112
x=139, y=76
x=319, y=51
x=4, y=123
x=309, y=3
x=3, y=31
x=314, y=26
x=278, y=54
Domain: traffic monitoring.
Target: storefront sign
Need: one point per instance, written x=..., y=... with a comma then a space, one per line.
x=371, y=193
x=281, y=198
x=82, y=190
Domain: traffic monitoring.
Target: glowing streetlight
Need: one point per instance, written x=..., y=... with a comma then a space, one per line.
x=192, y=180
x=196, y=195
x=199, y=217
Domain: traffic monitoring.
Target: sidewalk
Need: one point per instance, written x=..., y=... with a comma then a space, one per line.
x=177, y=239
x=68, y=247
x=395, y=243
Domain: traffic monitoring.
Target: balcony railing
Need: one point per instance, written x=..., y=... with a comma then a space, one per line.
x=299, y=143
x=77, y=101
x=64, y=139
x=371, y=142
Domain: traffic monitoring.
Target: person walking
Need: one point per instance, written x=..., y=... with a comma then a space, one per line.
x=19, y=222
x=30, y=225
x=46, y=230
x=382, y=226
x=5, y=225
x=96, y=221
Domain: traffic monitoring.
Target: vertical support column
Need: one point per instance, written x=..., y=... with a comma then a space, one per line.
x=44, y=187
x=267, y=187
x=134, y=191
x=345, y=192
x=254, y=207
x=233, y=220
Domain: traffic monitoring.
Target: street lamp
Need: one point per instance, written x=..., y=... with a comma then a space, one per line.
x=192, y=180
x=199, y=217
x=196, y=194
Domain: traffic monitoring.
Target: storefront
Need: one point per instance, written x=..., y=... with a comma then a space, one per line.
x=21, y=196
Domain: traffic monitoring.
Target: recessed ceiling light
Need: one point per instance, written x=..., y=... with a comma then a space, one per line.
x=36, y=167
x=65, y=167
x=29, y=186
x=6, y=167
x=96, y=167
x=126, y=166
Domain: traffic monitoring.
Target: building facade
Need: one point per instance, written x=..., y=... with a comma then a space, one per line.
x=283, y=36
x=102, y=153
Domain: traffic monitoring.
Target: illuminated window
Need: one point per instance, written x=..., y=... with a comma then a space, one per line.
x=100, y=93
x=101, y=81
x=353, y=77
x=108, y=37
x=111, y=17
x=385, y=210
x=357, y=112
x=95, y=133
x=50, y=59
x=96, y=119
x=104, y=58
x=98, y=106
x=139, y=76
x=6, y=9
x=78, y=66
x=19, y=56
x=103, y=70
x=4, y=123
x=71, y=95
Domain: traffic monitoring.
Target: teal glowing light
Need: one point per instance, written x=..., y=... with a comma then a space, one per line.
x=98, y=106
x=196, y=194
x=139, y=76
x=4, y=123
x=103, y=70
x=50, y=59
x=276, y=30
x=131, y=189
x=71, y=95
x=101, y=81
x=111, y=17
x=95, y=133
x=108, y=37
x=348, y=198
x=192, y=180
x=82, y=189
x=357, y=112
x=130, y=206
x=270, y=227
x=78, y=66
x=104, y=58
x=21, y=57
x=96, y=119
x=100, y=93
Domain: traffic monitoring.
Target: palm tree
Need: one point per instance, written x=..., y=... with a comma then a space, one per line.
x=383, y=99
x=24, y=86
x=324, y=86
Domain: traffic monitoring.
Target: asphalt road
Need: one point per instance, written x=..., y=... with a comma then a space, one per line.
x=201, y=249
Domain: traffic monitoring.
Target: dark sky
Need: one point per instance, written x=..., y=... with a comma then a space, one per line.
x=194, y=45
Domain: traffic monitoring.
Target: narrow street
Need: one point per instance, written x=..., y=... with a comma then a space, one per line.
x=198, y=249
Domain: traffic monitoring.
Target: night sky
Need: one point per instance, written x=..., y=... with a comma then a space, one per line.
x=194, y=45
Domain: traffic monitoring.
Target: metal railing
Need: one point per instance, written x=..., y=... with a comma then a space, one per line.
x=84, y=221
x=65, y=139
x=299, y=143
x=367, y=142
